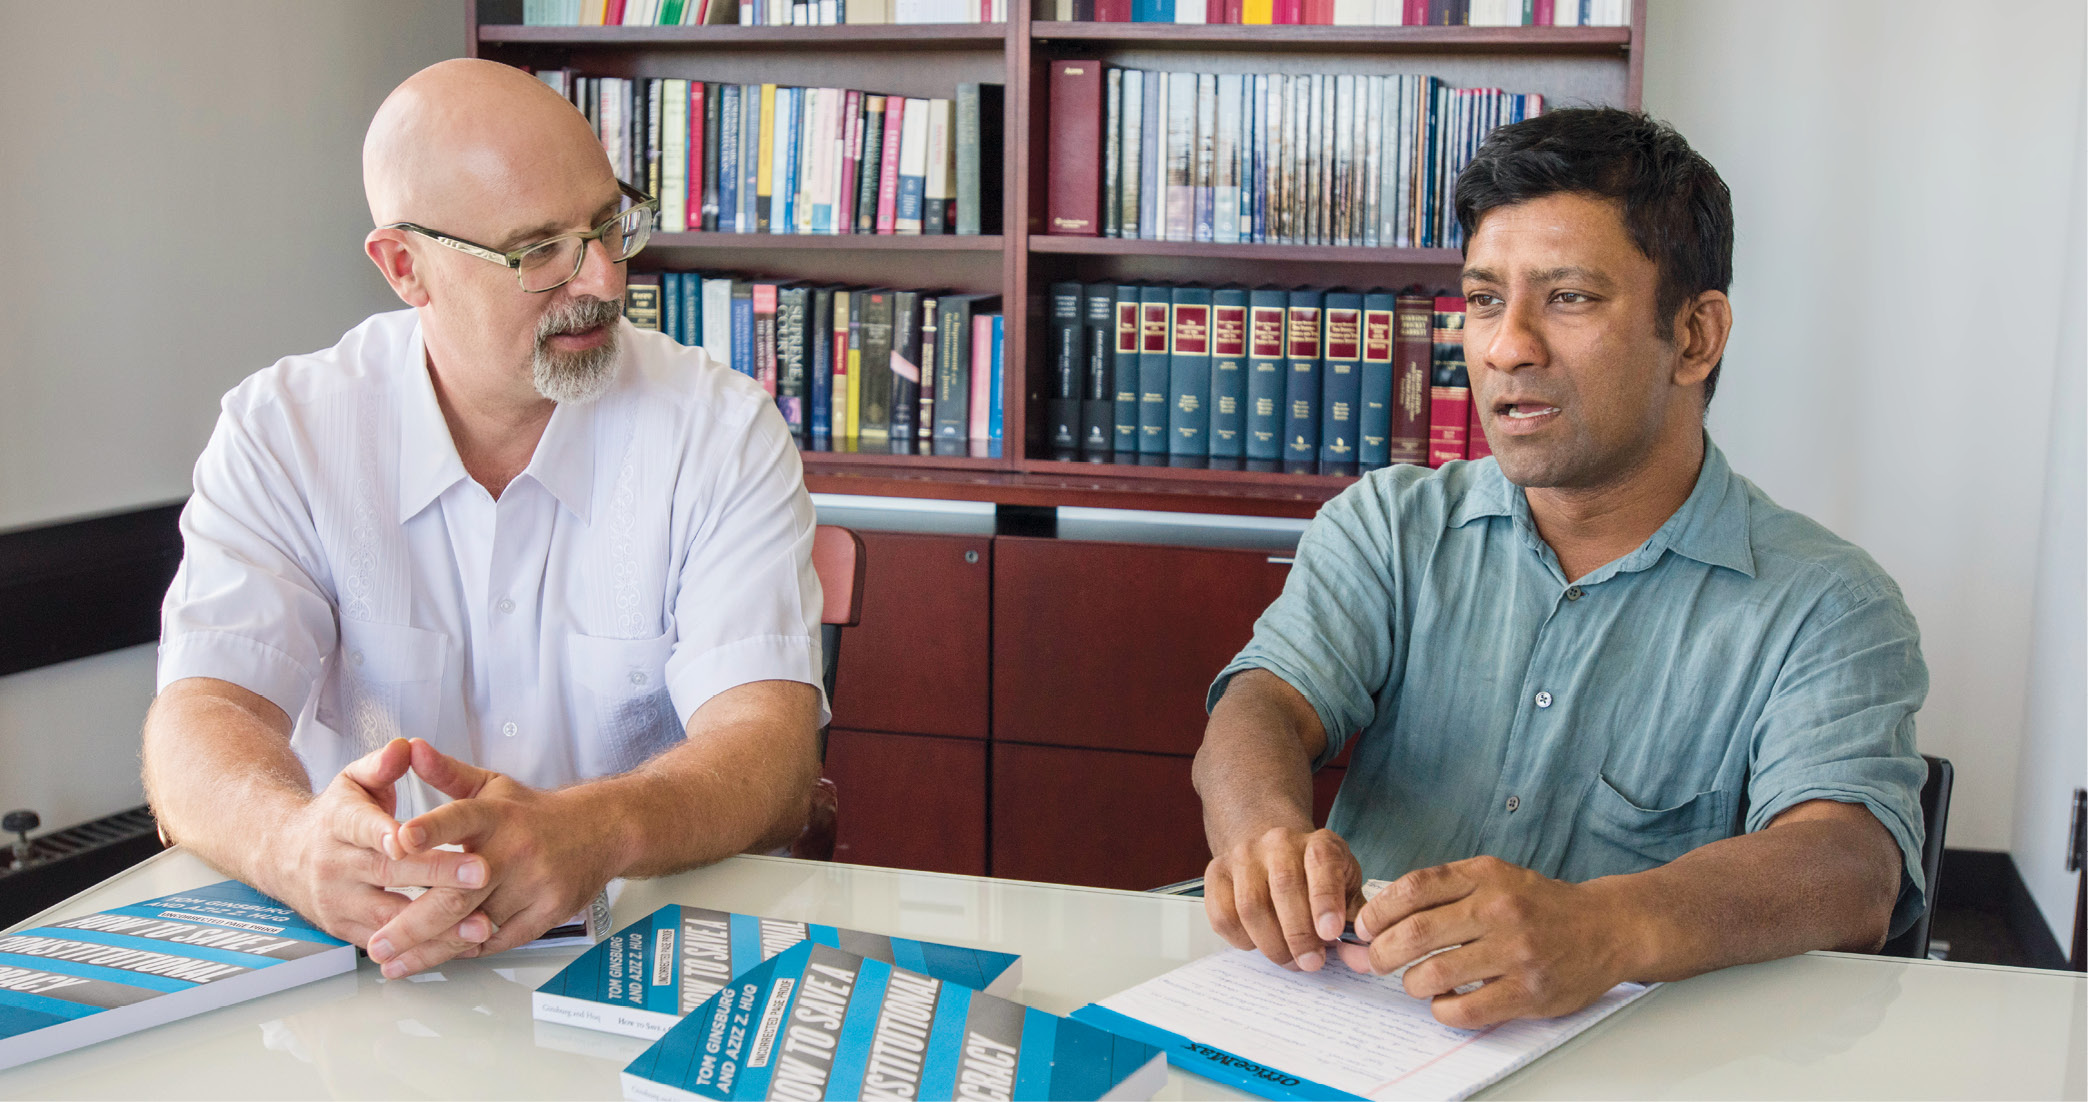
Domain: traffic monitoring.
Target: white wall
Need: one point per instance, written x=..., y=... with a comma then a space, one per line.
x=1903, y=181
x=183, y=199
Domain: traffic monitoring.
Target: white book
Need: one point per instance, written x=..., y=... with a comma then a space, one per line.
x=937, y=190
x=1369, y=124
x=1131, y=125
x=1158, y=87
x=810, y=144
x=1189, y=11
x=913, y=165
x=1387, y=138
x=717, y=321
x=1388, y=13
x=1360, y=13
x=616, y=129
x=1225, y=184
x=674, y=155
x=86, y=979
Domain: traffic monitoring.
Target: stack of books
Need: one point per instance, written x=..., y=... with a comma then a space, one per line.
x=1316, y=381
x=1290, y=159
x=756, y=13
x=770, y=158
x=1352, y=13
x=852, y=369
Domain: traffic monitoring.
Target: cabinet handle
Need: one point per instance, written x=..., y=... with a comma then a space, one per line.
x=1281, y=560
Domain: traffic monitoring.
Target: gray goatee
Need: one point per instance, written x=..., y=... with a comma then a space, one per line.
x=576, y=377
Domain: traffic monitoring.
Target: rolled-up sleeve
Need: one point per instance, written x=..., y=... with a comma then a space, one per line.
x=1839, y=725
x=1329, y=634
x=748, y=603
x=250, y=603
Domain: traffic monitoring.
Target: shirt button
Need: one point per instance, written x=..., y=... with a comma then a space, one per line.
x=507, y=604
x=637, y=677
x=508, y=728
x=1514, y=802
x=355, y=658
x=1544, y=700
x=1573, y=593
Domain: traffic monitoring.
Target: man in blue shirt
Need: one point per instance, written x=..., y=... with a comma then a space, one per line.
x=1615, y=714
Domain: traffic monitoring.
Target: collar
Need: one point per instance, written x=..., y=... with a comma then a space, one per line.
x=563, y=462
x=1710, y=527
x=428, y=461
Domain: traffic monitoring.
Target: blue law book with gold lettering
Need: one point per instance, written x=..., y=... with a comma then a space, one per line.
x=87, y=979
x=644, y=978
x=821, y=1022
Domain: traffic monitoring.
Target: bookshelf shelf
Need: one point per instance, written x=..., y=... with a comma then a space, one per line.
x=903, y=36
x=1565, y=64
x=1316, y=254
x=844, y=242
x=1521, y=40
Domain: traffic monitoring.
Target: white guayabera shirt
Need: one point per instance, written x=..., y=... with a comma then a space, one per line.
x=340, y=562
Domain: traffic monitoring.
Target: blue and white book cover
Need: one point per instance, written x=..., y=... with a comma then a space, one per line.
x=87, y=979
x=645, y=977
x=821, y=1022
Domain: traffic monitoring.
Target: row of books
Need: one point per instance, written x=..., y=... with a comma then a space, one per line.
x=1352, y=13
x=851, y=369
x=1277, y=158
x=770, y=158
x=1317, y=379
x=756, y=13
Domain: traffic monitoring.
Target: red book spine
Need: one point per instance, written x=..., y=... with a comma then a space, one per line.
x=1450, y=394
x=613, y=16
x=1415, y=13
x=1319, y=13
x=888, y=173
x=1541, y=13
x=693, y=171
x=1112, y=11
x=1232, y=12
x=765, y=336
x=851, y=162
x=1476, y=446
x=1073, y=203
x=1214, y=12
x=1412, y=357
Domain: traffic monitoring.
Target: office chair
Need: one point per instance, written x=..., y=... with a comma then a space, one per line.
x=837, y=557
x=1935, y=815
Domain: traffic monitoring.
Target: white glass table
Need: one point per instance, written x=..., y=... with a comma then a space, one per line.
x=1824, y=1025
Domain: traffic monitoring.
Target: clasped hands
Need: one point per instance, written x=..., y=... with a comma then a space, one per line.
x=1538, y=947
x=528, y=859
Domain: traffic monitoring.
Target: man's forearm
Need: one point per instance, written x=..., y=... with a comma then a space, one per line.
x=1823, y=876
x=741, y=780
x=1254, y=769
x=221, y=776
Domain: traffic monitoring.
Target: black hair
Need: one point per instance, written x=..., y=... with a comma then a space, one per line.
x=1677, y=210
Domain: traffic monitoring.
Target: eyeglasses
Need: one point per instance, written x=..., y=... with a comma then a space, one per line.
x=553, y=262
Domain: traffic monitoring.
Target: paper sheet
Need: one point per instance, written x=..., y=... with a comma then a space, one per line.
x=1353, y=1032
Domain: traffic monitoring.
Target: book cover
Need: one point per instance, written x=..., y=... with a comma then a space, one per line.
x=765, y=164
x=704, y=104
x=842, y=393
x=1068, y=359
x=888, y=170
x=670, y=304
x=642, y=300
x=1124, y=298
x=1228, y=373
x=819, y=365
x=764, y=300
x=905, y=365
x=1189, y=373
x=1266, y=378
x=849, y=188
x=953, y=371
x=729, y=142
x=1341, y=355
x=87, y=979
x=646, y=977
x=994, y=425
x=692, y=308
x=1413, y=356
x=858, y=303
x=1476, y=446
x=1130, y=158
x=981, y=111
x=980, y=416
x=1073, y=192
x=1153, y=315
x=1152, y=158
x=1449, y=393
x=717, y=321
x=1374, y=419
x=793, y=313
x=1112, y=153
x=743, y=330
x=1225, y=178
x=868, y=195
x=875, y=367
x=818, y=1021
x=674, y=155
x=1098, y=395
x=937, y=188
x=924, y=415
x=913, y=167
x=1204, y=160
x=1302, y=390
x=1179, y=213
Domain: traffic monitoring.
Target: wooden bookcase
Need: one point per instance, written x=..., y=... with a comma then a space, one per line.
x=1569, y=65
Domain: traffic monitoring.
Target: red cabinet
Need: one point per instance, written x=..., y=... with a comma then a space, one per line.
x=909, y=801
x=917, y=662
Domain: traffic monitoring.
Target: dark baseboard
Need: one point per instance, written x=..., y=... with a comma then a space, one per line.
x=84, y=587
x=1987, y=881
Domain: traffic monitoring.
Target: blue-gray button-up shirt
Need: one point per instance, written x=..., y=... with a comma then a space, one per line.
x=1741, y=661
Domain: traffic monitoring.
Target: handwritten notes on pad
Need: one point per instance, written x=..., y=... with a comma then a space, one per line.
x=1236, y=1018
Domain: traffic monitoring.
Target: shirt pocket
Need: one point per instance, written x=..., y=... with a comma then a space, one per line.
x=391, y=683
x=1634, y=838
x=620, y=689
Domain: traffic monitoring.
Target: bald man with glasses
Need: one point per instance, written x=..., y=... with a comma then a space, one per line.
x=497, y=571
